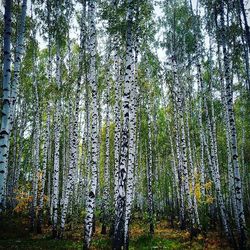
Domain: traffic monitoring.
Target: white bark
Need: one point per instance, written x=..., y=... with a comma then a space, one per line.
x=18, y=55
x=21, y=146
x=106, y=191
x=5, y=121
x=184, y=168
x=179, y=164
x=201, y=131
x=213, y=167
x=44, y=169
x=91, y=198
x=73, y=145
x=192, y=173
x=57, y=131
x=36, y=137
x=36, y=153
x=131, y=155
x=122, y=173
x=17, y=64
x=117, y=122
x=149, y=169
x=229, y=100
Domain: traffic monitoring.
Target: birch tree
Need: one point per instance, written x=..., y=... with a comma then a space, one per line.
x=6, y=109
x=57, y=131
x=229, y=100
x=91, y=198
x=118, y=240
x=44, y=171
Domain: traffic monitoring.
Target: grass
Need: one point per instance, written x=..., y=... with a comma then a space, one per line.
x=15, y=234
x=143, y=242
x=39, y=244
x=152, y=242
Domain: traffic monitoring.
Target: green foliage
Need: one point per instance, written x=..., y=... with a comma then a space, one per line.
x=40, y=244
x=150, y=242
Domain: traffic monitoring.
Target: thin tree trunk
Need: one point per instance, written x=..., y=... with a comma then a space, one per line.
x=5, y=121
x=36, y=158
x=117, y=112
x=73, y=142
x=229, y=101
x=149, y=172
x=106, y=191
x=131, y=158
x=214, y=168
x=118, y=240
x=195, y=206
x=21, y=147
x=184, y=168
x=91, y=198
x=179, y=164
x=18, y=57
x=57, y=131
x=247, y=31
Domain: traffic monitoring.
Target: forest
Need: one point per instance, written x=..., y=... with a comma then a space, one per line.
x=125, y=124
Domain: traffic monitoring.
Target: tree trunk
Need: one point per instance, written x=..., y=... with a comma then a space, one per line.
x=106, y=191
x=131, y=157
x=73, y=142
x=117, y=113
x=184, y=167
x=213, y=167
x=90, y=206
x=149, y=172
x=229, y=101
x=44, y=169
x=118, y=240
x=5, y=121
x=247, y=31
x=57, y=131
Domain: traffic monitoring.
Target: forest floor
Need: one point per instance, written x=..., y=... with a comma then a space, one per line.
x=15, y=234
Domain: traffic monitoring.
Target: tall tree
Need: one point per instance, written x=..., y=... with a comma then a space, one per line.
x=91, y=198
x=6, y=108
x=118, y=240
x=229, y=100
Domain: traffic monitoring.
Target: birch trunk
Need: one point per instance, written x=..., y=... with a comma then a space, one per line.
x=179, y=164
x=73, y=145
x=36, y=135
x=57, y=131
x=36, y=157
x=173, y=164
x=131, y=157
x=192, y=173
x=44, y=170
x=5, y=121
x=118, y=240
x=229, y=101
x=21, y=146
x=149, y=172
x=17, y=65
x=90, y=206
x=247, y=31
x=201, y=130
x=117, y=139
x=184, y=168
x=18, y=56
x=213, y=167
x=106, y=196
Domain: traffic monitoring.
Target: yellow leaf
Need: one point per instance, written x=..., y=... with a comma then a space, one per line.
x=200, y=237
x=208, y=185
